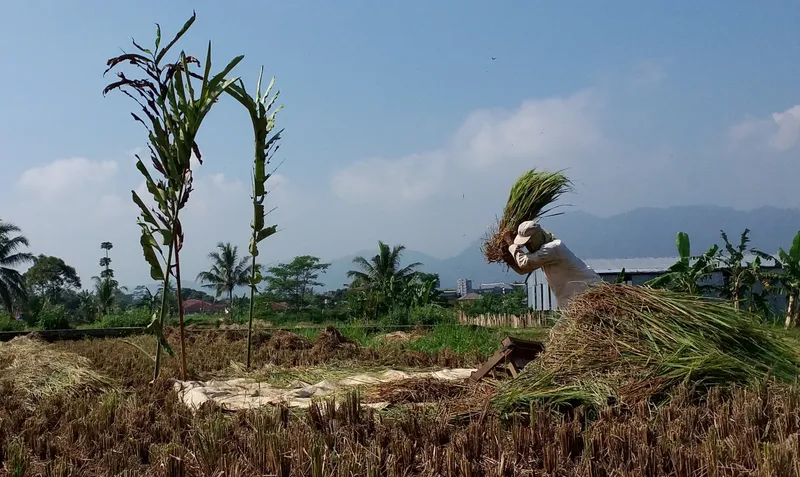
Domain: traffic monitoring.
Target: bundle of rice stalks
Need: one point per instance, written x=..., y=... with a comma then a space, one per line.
x=34, y=370
x=620, y=343
x=530, y=198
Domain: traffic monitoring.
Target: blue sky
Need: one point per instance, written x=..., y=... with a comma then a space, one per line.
x=399, y=125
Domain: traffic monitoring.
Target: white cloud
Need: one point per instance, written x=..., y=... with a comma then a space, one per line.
x=66, y=175
x=545, y=133
x=780, y=133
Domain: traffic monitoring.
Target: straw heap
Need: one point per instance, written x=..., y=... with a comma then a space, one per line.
x=620, y=343
x=34, y=370
x=529, y=199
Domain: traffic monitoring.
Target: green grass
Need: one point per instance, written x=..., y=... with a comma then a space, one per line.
x=461, y=339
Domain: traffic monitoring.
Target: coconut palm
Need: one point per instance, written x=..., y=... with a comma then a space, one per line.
x=381, y=278
x=106, y=290
x=383, y=269
x=227, y=272
x=12, y=285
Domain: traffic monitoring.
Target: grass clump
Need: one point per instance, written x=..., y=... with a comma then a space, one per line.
x=619, y=343
x=530, y=198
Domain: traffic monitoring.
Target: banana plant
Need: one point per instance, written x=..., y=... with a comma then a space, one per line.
x=262, y=112
x=174, y=108
x=788, y=279
x=688, y=272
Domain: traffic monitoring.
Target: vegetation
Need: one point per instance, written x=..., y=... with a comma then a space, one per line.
x=688, y=274
x=788, y=279
x=174, y=108
x=227, y=271
x=530, y=198
x=626, y=344
x=262, y=116
x=143, y=429
x=12, y=285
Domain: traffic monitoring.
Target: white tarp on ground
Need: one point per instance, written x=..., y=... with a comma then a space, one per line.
x=244, y=393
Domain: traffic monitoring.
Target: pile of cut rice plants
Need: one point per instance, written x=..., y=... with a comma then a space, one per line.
x=619, y=343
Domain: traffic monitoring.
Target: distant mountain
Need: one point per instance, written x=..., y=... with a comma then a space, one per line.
x=643, y=232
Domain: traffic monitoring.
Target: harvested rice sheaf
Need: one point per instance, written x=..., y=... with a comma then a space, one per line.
x=34, y=370
x=530, y=198
x=620, y=343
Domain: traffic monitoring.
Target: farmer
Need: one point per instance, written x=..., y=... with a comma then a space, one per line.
x=566, y=274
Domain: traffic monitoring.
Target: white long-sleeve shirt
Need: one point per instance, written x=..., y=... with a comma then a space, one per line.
x=566, y=274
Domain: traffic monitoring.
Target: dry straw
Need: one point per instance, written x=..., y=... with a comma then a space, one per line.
x=530, y=198
x=619, y=343
x=34, y=370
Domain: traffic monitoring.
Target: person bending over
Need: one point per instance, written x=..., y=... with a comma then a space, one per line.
x=566, y=274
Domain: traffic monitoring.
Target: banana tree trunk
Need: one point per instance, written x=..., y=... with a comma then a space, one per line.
x=790, y=315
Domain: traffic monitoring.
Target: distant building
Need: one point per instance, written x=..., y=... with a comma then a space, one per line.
x=463, y=286
x=200, y=306
x=470, y=297
x=638, y=271
x=497, y=288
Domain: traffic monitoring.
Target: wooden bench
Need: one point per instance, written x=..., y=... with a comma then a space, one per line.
x=514, y=354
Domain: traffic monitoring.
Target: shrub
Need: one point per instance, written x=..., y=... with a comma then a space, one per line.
x=7, y=323
x=131, y=318
x=432, y=315
x=53, y=317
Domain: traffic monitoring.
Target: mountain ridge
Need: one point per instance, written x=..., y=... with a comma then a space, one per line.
x=637, y=233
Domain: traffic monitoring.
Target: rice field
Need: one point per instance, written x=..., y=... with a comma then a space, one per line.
x=131, y=427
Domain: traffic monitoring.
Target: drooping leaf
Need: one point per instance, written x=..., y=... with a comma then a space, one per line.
x=156, y=329
x=266, y=232
x=149, y=247
x=146, y=214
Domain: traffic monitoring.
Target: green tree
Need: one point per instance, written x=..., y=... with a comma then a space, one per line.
x=227, y=272
x=12, y=284
x=143, y=297
x=106, y=292
x=294, y=282
x=381, y=278
x=105, y=262
x=687, y=274
x=382, y=270
x=51, y=276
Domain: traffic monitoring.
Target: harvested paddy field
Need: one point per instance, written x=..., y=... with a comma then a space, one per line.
x=108, y=420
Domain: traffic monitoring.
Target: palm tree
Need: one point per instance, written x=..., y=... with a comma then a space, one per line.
x=227, y=272
x=105, y=290
x=382, y=277
x=382, y=269
x=12, y=285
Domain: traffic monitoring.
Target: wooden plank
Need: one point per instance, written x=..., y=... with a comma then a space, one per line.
x=514, y=353
x=490, y=364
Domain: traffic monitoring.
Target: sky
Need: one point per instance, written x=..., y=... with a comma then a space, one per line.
x=405, y=122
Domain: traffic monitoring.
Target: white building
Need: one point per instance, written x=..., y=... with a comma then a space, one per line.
x=463, y=286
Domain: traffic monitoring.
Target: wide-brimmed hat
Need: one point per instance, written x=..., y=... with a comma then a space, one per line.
x=525, y=231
